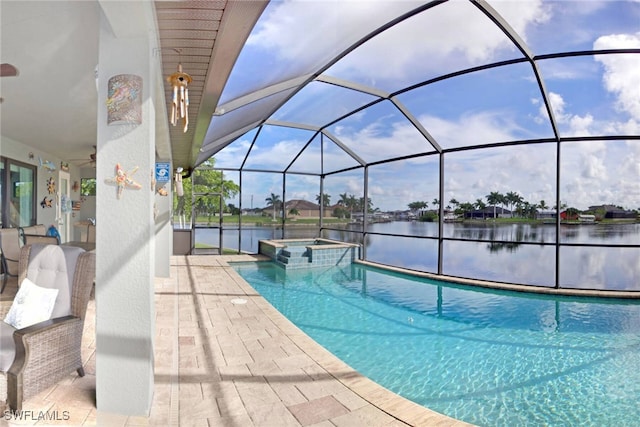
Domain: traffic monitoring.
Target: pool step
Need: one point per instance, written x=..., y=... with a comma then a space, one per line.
x=294, y=251
x=292, y=256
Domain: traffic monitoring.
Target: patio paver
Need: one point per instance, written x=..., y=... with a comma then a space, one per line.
x=224, y=363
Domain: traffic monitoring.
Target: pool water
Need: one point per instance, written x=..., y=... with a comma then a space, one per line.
x=490, y=358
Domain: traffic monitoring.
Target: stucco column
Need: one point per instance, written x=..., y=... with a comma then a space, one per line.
x=125, y=246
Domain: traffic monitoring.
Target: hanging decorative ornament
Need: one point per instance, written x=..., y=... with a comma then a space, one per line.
x=180, y=98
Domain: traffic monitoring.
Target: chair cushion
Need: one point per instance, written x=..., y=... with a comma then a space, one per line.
x=32, y=304
x=7, y=346
x=53, y=267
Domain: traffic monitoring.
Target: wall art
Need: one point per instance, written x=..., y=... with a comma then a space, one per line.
x=123, y=180
x=124, y=101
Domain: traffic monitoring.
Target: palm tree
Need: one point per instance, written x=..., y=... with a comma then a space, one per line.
x=273, y=201
x=503, y=201
x=344, y=202
x=352, y=203
x=529, y=209
x=480, y=205
x=466, y=207
x=416, y=206
x=366, y=206
x=436, y=203
x=323, y=200
x=543, y=205
x=494, y=198
x=454, y=202
x=512, y=199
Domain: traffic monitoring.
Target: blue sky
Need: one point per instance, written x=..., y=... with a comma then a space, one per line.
x=590, y=96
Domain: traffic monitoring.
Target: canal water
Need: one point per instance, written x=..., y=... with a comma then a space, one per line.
x=594, y=256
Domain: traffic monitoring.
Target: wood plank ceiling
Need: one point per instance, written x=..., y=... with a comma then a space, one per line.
x=188, y=31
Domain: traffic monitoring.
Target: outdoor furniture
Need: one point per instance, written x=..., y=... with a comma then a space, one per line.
x=9, y=253
x=35, y=230
x=87, y=246
x=37, y=234
x=34, y=358
x=91, y=233
x=30, y=239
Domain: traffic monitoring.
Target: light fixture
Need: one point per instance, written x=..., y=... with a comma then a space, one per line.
x=180, y=99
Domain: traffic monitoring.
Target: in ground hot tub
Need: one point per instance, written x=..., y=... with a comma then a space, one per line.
x=305, y=253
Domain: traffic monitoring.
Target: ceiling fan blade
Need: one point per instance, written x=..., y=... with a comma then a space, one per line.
x=86, y=161
x=8, y=70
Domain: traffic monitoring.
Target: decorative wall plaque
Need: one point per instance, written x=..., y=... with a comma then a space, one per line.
x=124, y=102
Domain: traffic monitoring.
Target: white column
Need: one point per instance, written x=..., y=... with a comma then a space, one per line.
x=125, y=246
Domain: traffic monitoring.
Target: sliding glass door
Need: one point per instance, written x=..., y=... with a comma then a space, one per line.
x=17, y=190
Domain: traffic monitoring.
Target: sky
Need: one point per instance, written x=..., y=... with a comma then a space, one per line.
x=590, y=96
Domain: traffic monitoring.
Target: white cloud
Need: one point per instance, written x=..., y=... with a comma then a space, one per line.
x=451, y=36
x=383, y=138
x=470, y=129
x=232, y=154
x=301, y=195
x=576, y=125
x=621, y=76
x=585, y=125
x=522, y=14
x=598, y=172
x=593, y=167
x=276, y=157
x=293, y=31
x=579, y=125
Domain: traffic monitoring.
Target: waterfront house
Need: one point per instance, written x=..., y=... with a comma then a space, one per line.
x=546, y=214
x=305, y=209
x=612, y=212
x=488, y=212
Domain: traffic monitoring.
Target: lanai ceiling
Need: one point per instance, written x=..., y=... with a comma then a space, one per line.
x=54, y=46
x=205, y=37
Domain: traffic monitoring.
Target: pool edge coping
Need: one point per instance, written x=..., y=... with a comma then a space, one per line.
x=532, y=289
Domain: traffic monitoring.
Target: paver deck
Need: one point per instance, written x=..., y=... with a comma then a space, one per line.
x=225, y=357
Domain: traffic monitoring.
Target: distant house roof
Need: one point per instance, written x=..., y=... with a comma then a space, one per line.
x=607, y=208
x=301, y=205
x=613, y=211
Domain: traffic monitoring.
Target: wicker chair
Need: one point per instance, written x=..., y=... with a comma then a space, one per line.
x=30, y=239
x=9, y=253
x=45, y=353
x=91, y=233
x=37, y=234
x=33, y=230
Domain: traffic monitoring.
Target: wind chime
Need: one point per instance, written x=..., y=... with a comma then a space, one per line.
x=180, y=99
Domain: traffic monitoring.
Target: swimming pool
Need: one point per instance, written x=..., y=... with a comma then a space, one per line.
x=489, y=358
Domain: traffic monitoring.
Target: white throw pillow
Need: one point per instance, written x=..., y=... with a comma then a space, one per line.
x=32, y=304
